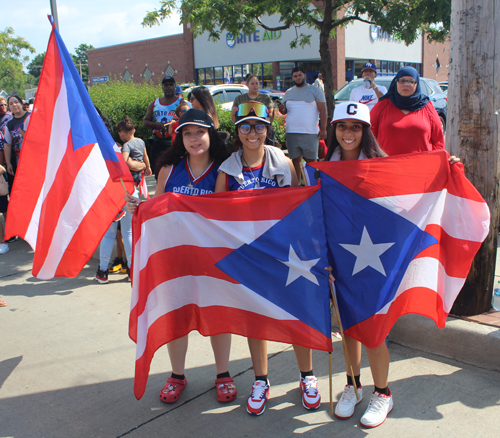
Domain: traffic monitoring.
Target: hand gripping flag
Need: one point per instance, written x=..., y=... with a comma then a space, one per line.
x=402, y=233
x=250, y=262
x=64, y=197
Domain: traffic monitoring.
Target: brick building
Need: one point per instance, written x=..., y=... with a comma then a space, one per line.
x=266, y=54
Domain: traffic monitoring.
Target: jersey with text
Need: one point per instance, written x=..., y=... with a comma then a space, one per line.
x=253, y=180
x=181, y=179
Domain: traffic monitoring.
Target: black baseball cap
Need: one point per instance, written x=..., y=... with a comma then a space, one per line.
x=168, y=79
x=195, y=117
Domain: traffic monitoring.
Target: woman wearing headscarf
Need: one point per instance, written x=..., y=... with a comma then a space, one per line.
x=404, y=120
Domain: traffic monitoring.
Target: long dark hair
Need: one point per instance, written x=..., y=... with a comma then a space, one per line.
x=173, y=155
x=202, y=95
x=369, y=144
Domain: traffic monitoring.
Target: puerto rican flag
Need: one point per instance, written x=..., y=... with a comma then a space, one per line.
x=248, y=262
x=143, y=186
x=64, y=197
x=402, y=232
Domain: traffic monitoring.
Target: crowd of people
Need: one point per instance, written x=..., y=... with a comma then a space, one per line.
x=198, y=163
x=188, y=156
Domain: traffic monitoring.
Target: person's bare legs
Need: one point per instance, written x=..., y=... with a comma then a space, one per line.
x=258, y=352
x=304, y=358
x=354, y=350
x=379, y=365
x=296, y=164
x=221, y=345
x=177, y=351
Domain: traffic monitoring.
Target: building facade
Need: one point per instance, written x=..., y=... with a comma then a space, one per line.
x=267, y=54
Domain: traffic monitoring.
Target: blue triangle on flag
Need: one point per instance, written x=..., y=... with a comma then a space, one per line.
x=259, y=265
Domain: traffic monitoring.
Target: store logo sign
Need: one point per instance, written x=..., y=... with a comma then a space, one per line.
x=230, y=40
x=376, y=33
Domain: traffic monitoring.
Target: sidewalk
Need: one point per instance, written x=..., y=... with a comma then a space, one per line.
x=67, y=367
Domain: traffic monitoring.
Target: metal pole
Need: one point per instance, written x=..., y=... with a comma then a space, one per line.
x=53, y=10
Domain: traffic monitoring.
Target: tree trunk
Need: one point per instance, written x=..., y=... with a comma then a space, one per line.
x=473, y=129
x=326, y=58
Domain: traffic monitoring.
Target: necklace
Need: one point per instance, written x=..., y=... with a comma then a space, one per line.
x=250, y=169
x=191, y=185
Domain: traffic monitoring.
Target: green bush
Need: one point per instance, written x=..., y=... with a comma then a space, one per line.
x=117, y=99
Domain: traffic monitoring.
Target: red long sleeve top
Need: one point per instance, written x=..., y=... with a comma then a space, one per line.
x=398, y=133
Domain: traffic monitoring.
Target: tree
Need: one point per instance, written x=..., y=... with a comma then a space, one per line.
x=35, y=66
x=81, y=61
x=404, y=18
x=12, y=60
x=473, y=129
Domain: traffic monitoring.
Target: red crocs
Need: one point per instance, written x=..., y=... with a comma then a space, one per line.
x=172, y=390
x=226, y=391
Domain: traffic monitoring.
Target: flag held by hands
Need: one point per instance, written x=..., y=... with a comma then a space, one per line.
x=401, y=232
x=250, y=262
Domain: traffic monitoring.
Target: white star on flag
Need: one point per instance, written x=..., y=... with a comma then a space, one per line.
x=367, y=253
x=299, y=268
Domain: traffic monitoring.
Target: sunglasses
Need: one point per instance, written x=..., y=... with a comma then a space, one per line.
x=246, y=129
x=259, y=109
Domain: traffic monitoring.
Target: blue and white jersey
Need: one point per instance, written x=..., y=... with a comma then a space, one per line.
x=253, y=180
x=181, y=179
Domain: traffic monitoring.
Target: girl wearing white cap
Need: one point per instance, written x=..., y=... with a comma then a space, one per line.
x=353, y=140
x=190, y=167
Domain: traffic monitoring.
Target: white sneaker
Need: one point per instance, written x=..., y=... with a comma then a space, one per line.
x=347, y=403
x=311, y=397
x=256, y=403
x=380, y=406
x=4, y=247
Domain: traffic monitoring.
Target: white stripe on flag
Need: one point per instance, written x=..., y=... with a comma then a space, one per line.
x=89, y=182
x=462, y=218
x=57, y=149
x=203, y=291
x=428, y=272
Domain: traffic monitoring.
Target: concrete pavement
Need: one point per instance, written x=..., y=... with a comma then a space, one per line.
x=67, y=364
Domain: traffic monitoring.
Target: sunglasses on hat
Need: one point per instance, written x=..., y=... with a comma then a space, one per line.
x=259, y=109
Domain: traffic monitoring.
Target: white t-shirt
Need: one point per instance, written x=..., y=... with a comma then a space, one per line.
x=302, y=114
x=366, y=95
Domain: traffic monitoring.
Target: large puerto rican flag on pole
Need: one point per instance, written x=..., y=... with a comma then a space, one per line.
x=65, y=193
x=402, y=232
x=250, y=262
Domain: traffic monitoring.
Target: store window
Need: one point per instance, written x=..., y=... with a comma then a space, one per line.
x=267, y=77
x=201, y=76
x=209, y=76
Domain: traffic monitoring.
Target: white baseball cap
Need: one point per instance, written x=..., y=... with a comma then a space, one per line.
x=353, y=111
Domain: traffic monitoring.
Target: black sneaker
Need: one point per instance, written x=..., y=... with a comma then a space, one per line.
x=12, y=239
x=128, y=275
x=116, y=266
x=101, y=276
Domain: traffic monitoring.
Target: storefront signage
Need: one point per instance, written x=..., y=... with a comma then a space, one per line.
x=254, y=37
x=100, y=79
x=376, y=33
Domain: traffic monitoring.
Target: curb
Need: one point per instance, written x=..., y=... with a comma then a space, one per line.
x=468, y=342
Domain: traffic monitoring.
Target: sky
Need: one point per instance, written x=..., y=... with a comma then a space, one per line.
x=97, y=22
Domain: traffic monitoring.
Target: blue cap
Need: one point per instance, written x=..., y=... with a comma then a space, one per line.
x=371, y=66
x=178, y=89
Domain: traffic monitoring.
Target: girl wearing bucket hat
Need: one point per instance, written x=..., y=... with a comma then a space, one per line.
x=190, y=167
x=256, y=165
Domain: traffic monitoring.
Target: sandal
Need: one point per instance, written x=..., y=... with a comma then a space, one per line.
x=2, y=303
x=226, y=390
x=172, y=390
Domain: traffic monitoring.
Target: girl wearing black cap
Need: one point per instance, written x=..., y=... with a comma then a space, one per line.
x=256, y=165
x=190, y=167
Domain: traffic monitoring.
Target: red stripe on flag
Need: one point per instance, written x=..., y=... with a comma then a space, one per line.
x=420, y=301
x=232, y=206
x=215, y=320
x=34, y=153
x=454, y=254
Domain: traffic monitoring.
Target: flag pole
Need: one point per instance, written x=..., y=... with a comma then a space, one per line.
x=334, y=300
x=124, y=188
x=330, y=378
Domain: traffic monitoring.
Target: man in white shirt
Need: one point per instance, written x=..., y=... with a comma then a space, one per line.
x=368, y=96
x=319, y=82
x=303, y=105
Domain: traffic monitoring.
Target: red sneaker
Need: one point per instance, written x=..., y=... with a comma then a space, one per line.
x=311, y=397
x=172, y=390
x=256, y=403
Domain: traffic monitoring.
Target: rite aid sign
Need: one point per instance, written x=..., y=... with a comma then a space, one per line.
x=376, y=33
x=100, y=79
x=251, y=37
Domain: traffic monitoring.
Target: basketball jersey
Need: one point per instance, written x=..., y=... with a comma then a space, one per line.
x=181, y=179
x=253, y=180
x=164, y=113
